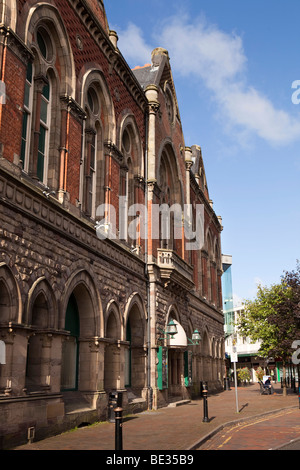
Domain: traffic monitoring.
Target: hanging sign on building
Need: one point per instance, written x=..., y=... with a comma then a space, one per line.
x=188, y=380
x=234, y=356
x=162, y=368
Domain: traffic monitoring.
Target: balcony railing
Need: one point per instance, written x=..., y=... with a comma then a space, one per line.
x=174, y=268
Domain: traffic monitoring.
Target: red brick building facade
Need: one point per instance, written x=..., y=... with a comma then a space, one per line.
x=85, y=299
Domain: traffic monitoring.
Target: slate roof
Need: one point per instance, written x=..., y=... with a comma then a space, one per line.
x=146, y=75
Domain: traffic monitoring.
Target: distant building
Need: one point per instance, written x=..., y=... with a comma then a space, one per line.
x=227, y=295
x=247, y=352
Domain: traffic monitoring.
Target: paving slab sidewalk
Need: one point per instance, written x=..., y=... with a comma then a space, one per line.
x=174, y=428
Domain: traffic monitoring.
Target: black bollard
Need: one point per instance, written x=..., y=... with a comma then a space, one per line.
x=227, y=383
x=118, y=428
x=205, y=407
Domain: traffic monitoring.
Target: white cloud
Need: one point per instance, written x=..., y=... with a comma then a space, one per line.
x=133, y=46
x=199, y=49
x=217, y=60
x=252, y=111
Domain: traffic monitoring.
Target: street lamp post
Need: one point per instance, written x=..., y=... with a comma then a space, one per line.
x=205, y=406
x=171, y=329
x=118, y=428
x=196, y=337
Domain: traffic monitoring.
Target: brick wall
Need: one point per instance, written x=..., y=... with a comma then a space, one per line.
x=74, y=156
x=14, y=73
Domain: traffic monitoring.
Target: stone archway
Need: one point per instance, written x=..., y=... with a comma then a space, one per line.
x=70, y=348
x=10, y=298
x=206, y=353
x=113, y=352
x=40, y=315
x=135, y=375
x=82, y=321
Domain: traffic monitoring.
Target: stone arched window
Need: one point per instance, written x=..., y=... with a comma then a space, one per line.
x=210, y=266
x=27, y=117
x=92, y=141
x=49, y=76
x=99, y=128
x=40, y=315
x=10, y=299
x=82, y=322
x=112, y=356
x=170, y=200
x=129, y=175
x=135, y=357
x=35, y=143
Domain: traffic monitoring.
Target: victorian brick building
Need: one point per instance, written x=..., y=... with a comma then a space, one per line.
x=85, y=300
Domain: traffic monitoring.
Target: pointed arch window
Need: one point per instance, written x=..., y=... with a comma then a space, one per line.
x=90, y=171
x=92, y=137
x=43, y=146
x=127, y=151
x=168, y=200
x=27, y=117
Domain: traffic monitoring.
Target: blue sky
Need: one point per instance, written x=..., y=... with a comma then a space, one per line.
x=233, y=64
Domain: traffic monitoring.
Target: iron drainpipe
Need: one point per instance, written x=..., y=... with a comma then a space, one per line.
x=150, y=391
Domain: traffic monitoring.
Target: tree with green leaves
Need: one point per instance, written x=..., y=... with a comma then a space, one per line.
x=273, y=317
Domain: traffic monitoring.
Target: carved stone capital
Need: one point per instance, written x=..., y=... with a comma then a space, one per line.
x=153, y=107
x=188, y=164
x=40, y=82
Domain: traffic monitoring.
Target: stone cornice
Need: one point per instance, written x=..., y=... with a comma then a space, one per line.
x=15, y=44
x=27, y=199
x=201, y=304
x=113, y=150
x=73, y=106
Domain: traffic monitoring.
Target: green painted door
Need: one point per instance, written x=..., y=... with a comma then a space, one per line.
x=70, y=348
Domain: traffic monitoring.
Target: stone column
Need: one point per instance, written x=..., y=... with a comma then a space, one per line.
x=56, y=362
x=188, y=166
x=112, y=379
x=7, y=369
x=188, y=223
x=152, y=335
x=16, y=355
x=153, y=107
x=63, y=149
x=46, y=362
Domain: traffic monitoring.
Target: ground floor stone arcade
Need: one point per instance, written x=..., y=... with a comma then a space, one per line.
x=66, y=350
